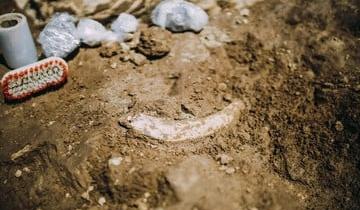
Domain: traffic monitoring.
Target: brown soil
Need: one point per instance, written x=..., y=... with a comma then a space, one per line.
x=296, y=66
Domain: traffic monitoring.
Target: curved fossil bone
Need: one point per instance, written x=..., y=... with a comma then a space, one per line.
x=172, y=130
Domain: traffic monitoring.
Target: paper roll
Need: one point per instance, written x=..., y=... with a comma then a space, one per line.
x=16, y=42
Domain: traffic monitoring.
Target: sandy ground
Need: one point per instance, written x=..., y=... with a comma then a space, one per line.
x=295, y=66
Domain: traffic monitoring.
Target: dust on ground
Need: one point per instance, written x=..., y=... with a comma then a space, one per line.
x=294, y=63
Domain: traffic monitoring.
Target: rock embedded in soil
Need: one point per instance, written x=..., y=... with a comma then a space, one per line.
x=101, y=201
x=137, y=58
x=227, y=97
x=154, y=43
x=222, y=86
x=339, y=126
x=181, y=130
x=213, y=37
x=86, y=194
x=224, y=159
x=18, y=173
x=189, y=174
x=230, y=170
x=115, y=161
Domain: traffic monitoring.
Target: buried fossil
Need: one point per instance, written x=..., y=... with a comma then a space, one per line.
x=172, y=130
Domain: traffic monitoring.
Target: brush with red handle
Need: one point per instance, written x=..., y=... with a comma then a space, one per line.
x=34, y=78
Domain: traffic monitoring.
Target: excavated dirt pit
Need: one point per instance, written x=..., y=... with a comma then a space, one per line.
x=294, y=65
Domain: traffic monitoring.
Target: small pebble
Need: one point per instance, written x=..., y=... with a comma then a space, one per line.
x=230, y=170
x=147, y=195
x=101, y=201
x=26, y=169
x=339, y=126
x=245, y=12
x=113, y=65
x=138, y=59
x=86, y=195
x=224, y=159
x=227, y=97
x=18, y=173
x=51, y=123
x=222, y=86
x=115, y=161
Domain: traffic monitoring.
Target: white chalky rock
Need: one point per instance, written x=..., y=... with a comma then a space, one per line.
x=93, y=33
x=179, y=15
x=125, y=23
x=18, y=173
x=102, y=201
x=115, y=161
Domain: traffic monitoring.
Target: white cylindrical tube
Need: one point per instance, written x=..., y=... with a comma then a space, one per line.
x=16, y=42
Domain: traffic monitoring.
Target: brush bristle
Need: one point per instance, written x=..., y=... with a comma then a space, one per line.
x=26, y=81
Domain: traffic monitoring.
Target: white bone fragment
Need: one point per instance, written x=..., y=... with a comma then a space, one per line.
x=172, y=130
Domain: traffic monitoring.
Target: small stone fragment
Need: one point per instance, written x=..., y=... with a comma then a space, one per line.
x=137, y=59
x=101, y=201
x=115, y=161
x=113, y=65
x=26, y=169
x=224, y=159
x=86, y=195
x=230, y=170
x=339, y=126
x=245, y=12
x=213, y=37
x=227, y=97
x=18, y=173
x=222, y=86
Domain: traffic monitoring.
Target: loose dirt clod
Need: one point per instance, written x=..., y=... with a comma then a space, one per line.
x=154, y=42
x=101, y=201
